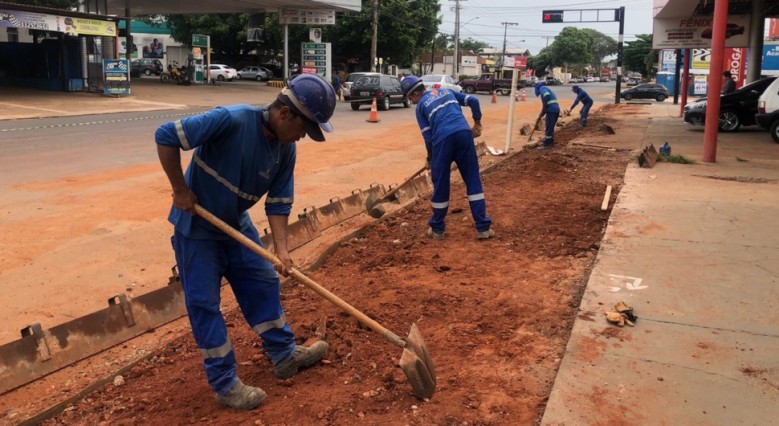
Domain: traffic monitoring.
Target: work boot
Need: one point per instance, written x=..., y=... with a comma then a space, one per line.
x=301, y=357
x=242, y=397
x=485, y=235
x=434, y=235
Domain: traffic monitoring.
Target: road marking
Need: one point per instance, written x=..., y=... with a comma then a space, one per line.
x=90, y=123
x=29, y=107
x=630, y=283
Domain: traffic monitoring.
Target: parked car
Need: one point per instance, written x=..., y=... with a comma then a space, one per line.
x=489, y=83
x=736, y=108
x=350, y=79
x=146, y=67
x=438, y=81
x=657, y=92
x=768, y=110
x=366, y=86
x=253, y=73
x=604, y=79
x=575, y=80
x=551, y=81
x=221, y=72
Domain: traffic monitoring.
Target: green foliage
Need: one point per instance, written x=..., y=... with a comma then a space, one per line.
x=678, y=159
x=472, y=45
x=602, y=46
x=404, y=31
x=571, y=46
x=639, y=56
x=540, y=62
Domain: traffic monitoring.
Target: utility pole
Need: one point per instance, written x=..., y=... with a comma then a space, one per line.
x=375, y=36
x=547, y=39
x=456, y=60
x=505, y=31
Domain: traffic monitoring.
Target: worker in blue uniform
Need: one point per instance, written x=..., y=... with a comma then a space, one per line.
x=549, y=108
x=449, y=138
x=241, y=153
x=585, y=99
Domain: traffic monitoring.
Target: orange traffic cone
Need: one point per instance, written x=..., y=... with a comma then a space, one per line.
x=523, y=94
x=374, y=116
x=494, y=97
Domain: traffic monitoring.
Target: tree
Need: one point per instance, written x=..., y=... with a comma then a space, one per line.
x=541, y=62
x=602, y=46
x=227, y=32
x=639, y=56
x=472, y=45
x=571, y=47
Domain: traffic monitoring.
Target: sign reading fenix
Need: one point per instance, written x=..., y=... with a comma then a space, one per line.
x=696, y=32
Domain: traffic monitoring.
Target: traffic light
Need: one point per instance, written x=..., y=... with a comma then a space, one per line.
x=552, y=16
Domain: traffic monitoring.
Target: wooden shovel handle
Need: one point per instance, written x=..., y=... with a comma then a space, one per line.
x=313, y=285
x=397, y=188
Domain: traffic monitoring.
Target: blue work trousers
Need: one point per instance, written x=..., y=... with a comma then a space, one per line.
x=202, y=264
x=551, y=122
x=585, y=113
x=458, y=148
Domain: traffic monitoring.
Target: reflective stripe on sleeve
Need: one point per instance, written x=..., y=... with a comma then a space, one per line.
x=425, y=129
x=279, y=200
x=219, y=352
x=267, y=325
x=234, y=189
x=182, y=136
x=476, y=197
x=443, y=205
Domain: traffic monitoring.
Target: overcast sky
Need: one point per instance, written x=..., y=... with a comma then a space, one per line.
x=481, y=20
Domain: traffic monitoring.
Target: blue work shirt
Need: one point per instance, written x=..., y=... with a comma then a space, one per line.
x=232, y=167
x=582, y=97
x=439, y=114
x=548, y=100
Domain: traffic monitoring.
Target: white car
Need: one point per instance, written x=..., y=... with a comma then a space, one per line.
x=221, y=72
x=438, y=81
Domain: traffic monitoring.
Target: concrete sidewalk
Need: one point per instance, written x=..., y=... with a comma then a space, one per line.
x=694, y=249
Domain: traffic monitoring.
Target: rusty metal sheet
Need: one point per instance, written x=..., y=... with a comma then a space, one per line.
x=299, y=233
x=331, y=214
x=419, y=186
x=42, y=351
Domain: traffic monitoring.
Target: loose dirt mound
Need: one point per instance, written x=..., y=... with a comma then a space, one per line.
x=496, y=314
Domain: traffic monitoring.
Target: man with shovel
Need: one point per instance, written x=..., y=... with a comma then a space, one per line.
x=585, y=99
x=549, y=108
x=449, y=138
x=241, y=153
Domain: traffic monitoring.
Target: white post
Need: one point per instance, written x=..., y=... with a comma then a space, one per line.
x=510, y=126
x=286, y=53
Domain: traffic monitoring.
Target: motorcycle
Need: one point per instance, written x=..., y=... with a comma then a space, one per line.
x=176, y=73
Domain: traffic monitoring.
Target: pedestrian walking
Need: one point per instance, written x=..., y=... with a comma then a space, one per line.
x=549, y=108
x=728, y=84
x=241, y=153
x=585, y=99
x=449, y=138
x=337, y=85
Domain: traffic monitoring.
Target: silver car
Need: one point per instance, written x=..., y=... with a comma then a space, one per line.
x=438, y=81
x=253, y=73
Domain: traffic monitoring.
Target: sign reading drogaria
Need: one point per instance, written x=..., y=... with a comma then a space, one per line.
x=696, y=32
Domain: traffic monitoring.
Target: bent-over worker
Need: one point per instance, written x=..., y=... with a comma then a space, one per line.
x=241, y=153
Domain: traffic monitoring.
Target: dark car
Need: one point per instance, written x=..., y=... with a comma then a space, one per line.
x=657, y=92
x=146, y=67
x=736, y=108
x=366, y=86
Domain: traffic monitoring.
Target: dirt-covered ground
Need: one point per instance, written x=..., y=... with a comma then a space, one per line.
x=496, y=314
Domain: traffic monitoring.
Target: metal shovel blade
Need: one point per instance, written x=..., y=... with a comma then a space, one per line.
x=417, y=365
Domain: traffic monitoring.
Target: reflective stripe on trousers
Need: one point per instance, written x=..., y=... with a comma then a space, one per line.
x=458, y=148
x=202, y=264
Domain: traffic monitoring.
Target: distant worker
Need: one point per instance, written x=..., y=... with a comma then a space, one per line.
x=449, y=138
x=241, y=153
x=728, y=85
x=337, y=85
x=585, y=99
x=549, y=108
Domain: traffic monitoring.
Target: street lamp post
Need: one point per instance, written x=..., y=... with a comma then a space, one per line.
x=505, y=31
x=457, y=47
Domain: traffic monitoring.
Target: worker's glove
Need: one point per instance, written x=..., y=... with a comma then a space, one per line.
x=618, y=319
x=476, y=130
x=626, y=310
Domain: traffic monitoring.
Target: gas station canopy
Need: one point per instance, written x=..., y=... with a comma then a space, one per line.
x=153, y=7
